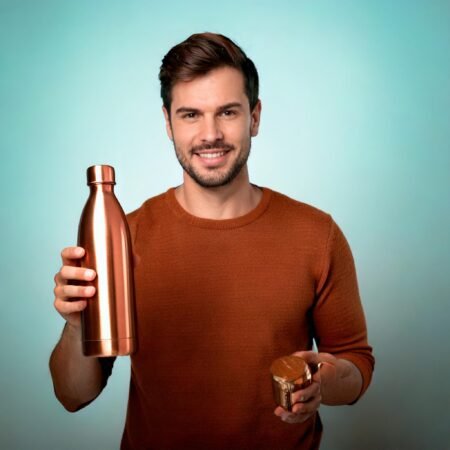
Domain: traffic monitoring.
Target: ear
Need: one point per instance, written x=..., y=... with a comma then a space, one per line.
x=255, y=119
x=168, y=125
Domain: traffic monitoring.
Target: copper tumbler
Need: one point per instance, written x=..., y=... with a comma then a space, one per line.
x=289, y=374
x=108, y=320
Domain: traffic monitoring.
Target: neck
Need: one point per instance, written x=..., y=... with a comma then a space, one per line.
x=219, y=203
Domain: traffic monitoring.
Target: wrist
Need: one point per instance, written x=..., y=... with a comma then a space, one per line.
x=341, y=381
x=72, y=331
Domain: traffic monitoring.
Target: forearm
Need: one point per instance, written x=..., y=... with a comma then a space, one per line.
x=77, y=379
x=341, y=382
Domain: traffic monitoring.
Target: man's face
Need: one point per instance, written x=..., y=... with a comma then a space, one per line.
x=211, y=126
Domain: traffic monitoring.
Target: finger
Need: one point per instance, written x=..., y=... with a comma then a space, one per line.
x=67, y=291
x=306, y=394
x=70, y=254
x=307, y=400
x=279, y=411
x=291, y=417
x=76, y=273
x=58, y=279
x=65, y=307
x=307, y=407
x=297, y=418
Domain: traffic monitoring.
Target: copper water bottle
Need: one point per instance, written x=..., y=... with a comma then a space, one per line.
x=289, y=374
x=108, y=319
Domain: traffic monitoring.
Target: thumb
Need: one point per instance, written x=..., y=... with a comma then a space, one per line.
x=309, y=356
x=313, y=360
x=324, y=363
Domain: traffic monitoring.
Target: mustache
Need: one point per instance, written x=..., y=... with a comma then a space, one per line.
x=210, y=145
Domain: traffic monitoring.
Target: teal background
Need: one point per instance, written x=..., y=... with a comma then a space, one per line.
x=355, y=121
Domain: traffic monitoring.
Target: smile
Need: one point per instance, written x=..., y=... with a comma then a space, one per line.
x=211, y=155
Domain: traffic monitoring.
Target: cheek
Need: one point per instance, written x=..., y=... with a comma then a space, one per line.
x=238, y=133
x=183, y=136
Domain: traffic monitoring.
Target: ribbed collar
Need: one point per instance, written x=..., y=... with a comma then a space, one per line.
x=224, y=224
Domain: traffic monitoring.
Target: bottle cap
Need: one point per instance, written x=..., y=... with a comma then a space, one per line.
x=101, y=174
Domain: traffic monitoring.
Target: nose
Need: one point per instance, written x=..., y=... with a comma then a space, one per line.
x=210, y=130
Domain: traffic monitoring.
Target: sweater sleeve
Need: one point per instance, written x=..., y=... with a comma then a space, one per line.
x=338, y=316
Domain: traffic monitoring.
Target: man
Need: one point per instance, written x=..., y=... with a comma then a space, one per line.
x=229, y=276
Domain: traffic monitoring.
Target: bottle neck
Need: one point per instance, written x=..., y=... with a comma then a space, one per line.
x=101, y=187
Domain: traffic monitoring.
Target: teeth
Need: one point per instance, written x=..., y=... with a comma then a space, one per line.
x=211, y=155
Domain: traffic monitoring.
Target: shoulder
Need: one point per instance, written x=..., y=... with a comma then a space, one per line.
x=313, y=224
x=299, y=214
x=147, y=206
x=150, y=209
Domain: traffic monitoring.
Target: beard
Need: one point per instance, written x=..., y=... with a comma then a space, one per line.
x=215, y=177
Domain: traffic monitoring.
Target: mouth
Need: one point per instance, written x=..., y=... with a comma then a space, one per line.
x=212, y=157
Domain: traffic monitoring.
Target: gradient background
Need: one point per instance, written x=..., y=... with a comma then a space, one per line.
x=355, y=121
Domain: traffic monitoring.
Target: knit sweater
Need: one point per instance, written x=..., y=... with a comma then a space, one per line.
x=216, y=302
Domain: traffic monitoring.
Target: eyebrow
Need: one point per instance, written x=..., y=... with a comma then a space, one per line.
x=186, y=109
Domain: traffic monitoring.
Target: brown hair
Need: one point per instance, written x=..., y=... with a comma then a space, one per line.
x=201, y=53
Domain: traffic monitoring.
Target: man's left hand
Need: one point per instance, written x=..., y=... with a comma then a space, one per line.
x=307, y=401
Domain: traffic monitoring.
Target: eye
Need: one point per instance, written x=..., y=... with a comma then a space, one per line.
x=228, y=113
x=189, y=115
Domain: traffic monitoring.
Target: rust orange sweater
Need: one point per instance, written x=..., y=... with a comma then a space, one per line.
x=217, y=302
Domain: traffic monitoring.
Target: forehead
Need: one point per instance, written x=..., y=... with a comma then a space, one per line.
x=218, y=87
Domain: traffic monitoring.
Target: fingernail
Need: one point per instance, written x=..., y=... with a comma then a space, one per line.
x=90, y=290
x=89, y=273
x=78, y=251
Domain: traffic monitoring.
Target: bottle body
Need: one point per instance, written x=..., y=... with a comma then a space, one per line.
x=108, y=320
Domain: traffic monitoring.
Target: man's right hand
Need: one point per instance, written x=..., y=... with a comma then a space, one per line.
x=70, y=299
